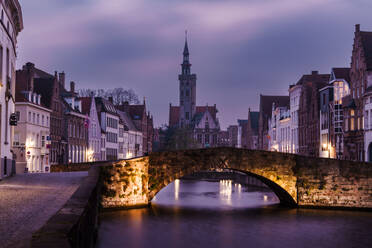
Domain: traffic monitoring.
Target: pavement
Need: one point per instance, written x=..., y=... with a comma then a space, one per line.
x=27, y=201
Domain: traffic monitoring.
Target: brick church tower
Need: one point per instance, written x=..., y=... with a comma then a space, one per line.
x=187, y=90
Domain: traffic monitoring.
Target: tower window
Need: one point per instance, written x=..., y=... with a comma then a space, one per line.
x=187, y=115
x=187, y=92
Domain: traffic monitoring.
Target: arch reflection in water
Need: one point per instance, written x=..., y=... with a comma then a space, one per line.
x=213, y=194
x=226, y=191
x=176, y=189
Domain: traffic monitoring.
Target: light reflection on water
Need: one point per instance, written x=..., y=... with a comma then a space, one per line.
x=191, y=213
x=222, y=194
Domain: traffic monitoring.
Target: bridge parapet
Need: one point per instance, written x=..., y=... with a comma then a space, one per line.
x=296, y=180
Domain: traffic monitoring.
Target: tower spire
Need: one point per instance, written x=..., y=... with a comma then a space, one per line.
x=186, y=63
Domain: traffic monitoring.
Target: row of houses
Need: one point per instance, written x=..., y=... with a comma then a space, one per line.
x=324, y=115
x=56, y=126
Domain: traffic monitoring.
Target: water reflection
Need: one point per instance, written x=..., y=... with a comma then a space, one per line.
x=219, y=194
x=224, y=213
x=176, y=189
x=226, y=191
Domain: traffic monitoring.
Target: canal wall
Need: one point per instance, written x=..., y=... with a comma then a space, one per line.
x=125, y=184
x=76, y=223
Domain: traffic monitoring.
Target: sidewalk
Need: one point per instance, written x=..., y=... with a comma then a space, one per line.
x=28, y=201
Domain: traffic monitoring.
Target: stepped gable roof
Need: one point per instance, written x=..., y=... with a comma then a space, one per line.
x=366, y=38
x=86, y=103
x=174, y=115
x=212, y=110
x=342, y=73
x=266, y=103
x=254, y=117
x=128, y=122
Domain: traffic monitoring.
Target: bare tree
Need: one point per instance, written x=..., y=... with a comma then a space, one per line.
x=119, y=95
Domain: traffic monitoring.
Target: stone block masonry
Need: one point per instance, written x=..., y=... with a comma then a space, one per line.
x=125, y=184
x=296, y=180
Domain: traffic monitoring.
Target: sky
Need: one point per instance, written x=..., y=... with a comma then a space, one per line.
x=239, y=49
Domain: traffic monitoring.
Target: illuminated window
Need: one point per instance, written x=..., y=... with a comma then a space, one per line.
x=352, y=112
x=351, y=124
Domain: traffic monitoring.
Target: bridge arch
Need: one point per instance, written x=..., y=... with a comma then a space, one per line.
x=284, y=197
x=164, y=168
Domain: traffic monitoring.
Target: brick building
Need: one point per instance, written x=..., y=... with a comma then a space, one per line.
x=309, y=112
x=252, y=129
x=360, y=80
x=49, y=87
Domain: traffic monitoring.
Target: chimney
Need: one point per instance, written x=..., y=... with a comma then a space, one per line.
x=357, y=28
x=62, y=79
x=111, y=99
x=314, y=73
x=72, y=87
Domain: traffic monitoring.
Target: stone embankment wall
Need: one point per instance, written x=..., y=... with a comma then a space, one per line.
x=333, y=183
x=77, y=166
x=296, y=180
x=125, y=184
x=76, y=223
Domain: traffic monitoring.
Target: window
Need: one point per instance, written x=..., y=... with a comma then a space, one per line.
x=38, y=119
x=7, y=61
x=207, y=139
x=200, y=138
x=42, y=141
x=187, y=92
x=42, y=120
x=187, y=115
x=33, y=118
x=1, y=63
x=352, y=124
x=47, y=121
x=29, y=116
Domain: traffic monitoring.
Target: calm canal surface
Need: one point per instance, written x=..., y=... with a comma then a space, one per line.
x=190, y=213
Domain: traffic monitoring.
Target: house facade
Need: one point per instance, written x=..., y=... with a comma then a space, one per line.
x=355, y=105
x=252, y=130
x=309, y=112
x=89, y=109
x=11, y=24
x=109, y=122
x=331, y=114
x=266, y=104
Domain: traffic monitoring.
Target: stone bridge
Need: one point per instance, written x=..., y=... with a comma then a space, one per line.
x=296, y=180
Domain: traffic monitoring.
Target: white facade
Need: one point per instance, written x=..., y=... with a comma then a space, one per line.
x=94, y=134
x=279, y=130
x=12, y=24
x=368, y=119
x=32, y=137
x=110, y=124
x=121, y=150
x=294, y=95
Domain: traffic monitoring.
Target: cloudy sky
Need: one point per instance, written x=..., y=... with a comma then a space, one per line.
x=239, y=48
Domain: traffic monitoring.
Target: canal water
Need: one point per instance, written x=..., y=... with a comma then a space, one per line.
x=191, y=213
